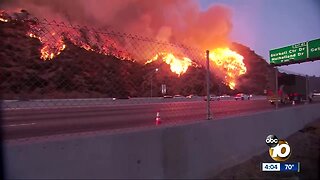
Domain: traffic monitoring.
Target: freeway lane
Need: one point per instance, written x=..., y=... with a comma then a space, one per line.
x=26, y=123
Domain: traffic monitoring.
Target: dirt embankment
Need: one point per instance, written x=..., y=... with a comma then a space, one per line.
x=305, y=147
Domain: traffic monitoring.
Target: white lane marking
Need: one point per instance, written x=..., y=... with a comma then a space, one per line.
x=13, y=125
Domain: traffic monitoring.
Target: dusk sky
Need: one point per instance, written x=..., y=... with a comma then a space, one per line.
x=267, y=24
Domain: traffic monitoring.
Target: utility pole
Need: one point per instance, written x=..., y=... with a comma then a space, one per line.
x=151, y=86
x=208, y=87
x=307, y=89
x=277, y=95
x=156, y=70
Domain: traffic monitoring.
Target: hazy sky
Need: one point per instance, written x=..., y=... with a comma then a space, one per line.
x=266, y=24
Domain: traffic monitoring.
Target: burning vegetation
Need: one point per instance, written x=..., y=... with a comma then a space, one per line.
x=79, y=72
x=49, y=50
x=178, y=65
x=229, y=63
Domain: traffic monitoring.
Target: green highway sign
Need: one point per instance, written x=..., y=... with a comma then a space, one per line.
x=297, y=53
x=314, y=49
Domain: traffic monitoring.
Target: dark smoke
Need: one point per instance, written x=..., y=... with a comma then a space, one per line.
x=173, y=20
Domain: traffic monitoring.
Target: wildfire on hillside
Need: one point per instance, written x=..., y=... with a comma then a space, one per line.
x=50, y=49
x=178, y=65
x=53, y=38
x=54, y=42
x=229, y=62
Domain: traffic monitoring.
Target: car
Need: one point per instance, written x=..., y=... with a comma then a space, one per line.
x=212, y=98
x=225, y=96
x=178, y=96
x=281, y=99
x=314, y=96
x=167, y=96
x=241, y=96
x=296, y=97
x=121, y=97
x=192, y=96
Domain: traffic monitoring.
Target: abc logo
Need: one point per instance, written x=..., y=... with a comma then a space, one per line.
x=272, y=140
x=279, y=149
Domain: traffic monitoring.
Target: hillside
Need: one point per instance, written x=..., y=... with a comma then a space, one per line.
x=78, y=73
x=260, y=75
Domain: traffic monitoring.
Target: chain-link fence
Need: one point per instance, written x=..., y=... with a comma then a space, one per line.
x=55, y=76
x=49, y=64
x=46, y=59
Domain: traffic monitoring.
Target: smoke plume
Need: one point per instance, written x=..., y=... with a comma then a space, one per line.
x=171, y=20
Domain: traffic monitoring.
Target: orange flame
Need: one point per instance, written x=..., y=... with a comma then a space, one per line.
x=178, y=65
x=49, y=51
x=34, y=36
x=4, y=16
x=3, y=20
x=53, y=45
x=229, y=62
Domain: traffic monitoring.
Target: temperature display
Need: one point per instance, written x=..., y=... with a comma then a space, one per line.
x=282, y=167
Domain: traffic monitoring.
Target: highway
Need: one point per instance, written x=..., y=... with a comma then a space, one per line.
x=35, y=122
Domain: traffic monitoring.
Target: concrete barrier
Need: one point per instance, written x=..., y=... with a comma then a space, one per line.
x=91, y=102
x=194, y=150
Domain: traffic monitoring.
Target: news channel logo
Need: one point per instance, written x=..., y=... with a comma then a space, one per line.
x=279, y=150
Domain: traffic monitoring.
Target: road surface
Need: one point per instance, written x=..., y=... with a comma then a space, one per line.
x=26, y=123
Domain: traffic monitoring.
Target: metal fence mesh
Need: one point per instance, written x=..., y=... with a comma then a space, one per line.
x=59, y=78
x=59, y=64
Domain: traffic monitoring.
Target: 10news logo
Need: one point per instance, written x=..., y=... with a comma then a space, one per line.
x=279, y=151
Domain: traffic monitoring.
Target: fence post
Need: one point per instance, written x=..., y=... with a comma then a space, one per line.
x=208, y=86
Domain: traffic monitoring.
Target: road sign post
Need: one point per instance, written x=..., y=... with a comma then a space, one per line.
x=163, y=89
x=297, y=53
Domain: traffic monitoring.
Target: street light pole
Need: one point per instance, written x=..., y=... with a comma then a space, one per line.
x=156, y=70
